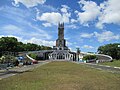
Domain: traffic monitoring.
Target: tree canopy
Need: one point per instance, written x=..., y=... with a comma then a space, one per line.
x=13, y=45
x=8, y=44
x=112, y=50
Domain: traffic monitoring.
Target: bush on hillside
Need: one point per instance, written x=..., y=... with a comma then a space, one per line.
x=33, y=55
x=89, y=57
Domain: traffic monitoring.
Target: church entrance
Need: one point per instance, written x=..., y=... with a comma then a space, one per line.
x=61, y=56
x=60, y=48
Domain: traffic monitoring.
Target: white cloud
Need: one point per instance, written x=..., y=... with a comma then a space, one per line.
x=107, y=12
x=76, y=11
x=66, y=17
x=46, y=24
x=101, y=37
x=11, y=29
x=110, y=13
x=90, y=12
x=56, y=17
x=41, y=42
x=106, y=36
x=32, y=40
x=64, y=8
x=99, y=25
x=52, y=17
x=28, y=3
x=21, y=24
x=18, y=38
x=72, y=26
x=74, y=21
x=87, y=47
x=86, y=35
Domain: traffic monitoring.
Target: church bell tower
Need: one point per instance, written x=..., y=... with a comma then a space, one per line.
x=61, y=42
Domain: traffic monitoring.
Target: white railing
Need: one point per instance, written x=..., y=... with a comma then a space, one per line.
x=105, y=56
x=30, y=58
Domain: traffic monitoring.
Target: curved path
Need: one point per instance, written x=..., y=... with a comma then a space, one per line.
x=102, y=67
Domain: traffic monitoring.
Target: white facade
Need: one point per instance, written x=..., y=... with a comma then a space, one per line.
x=60, y=55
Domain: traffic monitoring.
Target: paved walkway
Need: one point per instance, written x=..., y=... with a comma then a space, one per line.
x=17, y=70
x=102, y=67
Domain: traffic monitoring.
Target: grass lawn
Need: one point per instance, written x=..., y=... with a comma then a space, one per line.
x=114, y=63
x=62, y=76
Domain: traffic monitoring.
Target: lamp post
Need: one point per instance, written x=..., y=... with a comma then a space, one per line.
x=78, y=53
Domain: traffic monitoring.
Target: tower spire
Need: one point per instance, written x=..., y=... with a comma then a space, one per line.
x=58, y=24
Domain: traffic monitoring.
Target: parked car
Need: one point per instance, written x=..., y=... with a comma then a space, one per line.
x=35, y=62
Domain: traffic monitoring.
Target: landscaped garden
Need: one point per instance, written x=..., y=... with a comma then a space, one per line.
x=62, y=76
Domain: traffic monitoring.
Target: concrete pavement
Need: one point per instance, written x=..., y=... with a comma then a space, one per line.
x=102, y=67
x=17, y=70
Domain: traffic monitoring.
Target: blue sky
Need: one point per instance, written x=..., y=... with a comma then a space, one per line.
x=88, y=23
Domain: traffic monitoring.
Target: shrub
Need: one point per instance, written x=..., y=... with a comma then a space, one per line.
x=33, y=55
x=89, y=57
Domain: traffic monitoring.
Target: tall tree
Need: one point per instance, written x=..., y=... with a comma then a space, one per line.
x=8, y=44
x=110, y=49
x=11, y=44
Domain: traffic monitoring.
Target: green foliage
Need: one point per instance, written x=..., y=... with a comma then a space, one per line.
x=7, y=59
x=110, y=49
x=8, y=44
x=33, y=55
x=89, y=57
x=78, y=50
x=11, y=44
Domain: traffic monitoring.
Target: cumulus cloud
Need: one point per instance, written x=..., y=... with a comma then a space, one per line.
x=55, y=17
x=64, y=8
x=101, y=37
x=87, y=47
x=106, y=13
x=110, y=13
x=106, y=36
x=40, y=42
x=28, y=3
x=90, y=12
